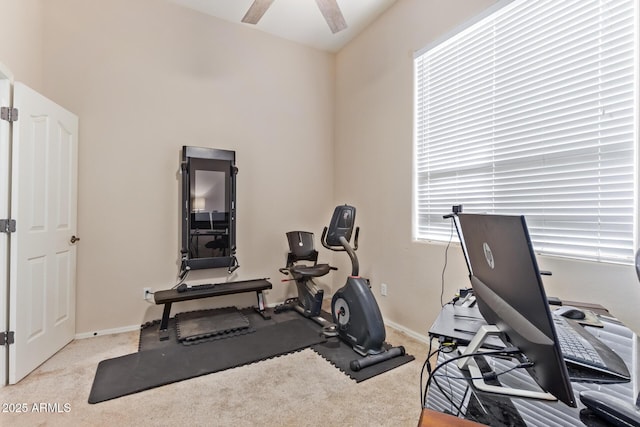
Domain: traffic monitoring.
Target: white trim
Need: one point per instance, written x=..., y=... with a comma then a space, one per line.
x=458, y=29
x=5, y=72
x=412, y=334
x=635, y=358
x=119, y=330
x=551, y=141
x=130, y=328
x=123, y=329
x=636, y=104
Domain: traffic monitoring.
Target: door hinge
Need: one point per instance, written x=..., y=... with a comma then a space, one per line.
x=9, y=114
x=7, y=338
x=7, y=225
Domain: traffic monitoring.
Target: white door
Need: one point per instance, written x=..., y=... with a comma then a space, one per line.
x=5, y=101
x=42, y=273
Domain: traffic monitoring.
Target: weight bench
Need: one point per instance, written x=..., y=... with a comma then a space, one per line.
x=170, y=296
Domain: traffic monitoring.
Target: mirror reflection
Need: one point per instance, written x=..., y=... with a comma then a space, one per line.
x=208, y=208
x=209, y=215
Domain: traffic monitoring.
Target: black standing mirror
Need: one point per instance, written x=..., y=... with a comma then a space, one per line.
x=208, y=209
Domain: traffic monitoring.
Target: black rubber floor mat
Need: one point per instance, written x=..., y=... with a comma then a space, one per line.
x=340, y=355
x=148, y=369
x=194, y=326
x=150, y=334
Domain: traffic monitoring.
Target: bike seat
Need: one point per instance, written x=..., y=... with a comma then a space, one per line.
x=310, y=270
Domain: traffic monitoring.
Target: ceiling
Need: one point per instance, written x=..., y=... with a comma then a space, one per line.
x=298, y=20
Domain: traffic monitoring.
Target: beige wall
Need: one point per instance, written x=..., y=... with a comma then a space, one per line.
x=147, y=77
x=374, y=152
x=21, y=32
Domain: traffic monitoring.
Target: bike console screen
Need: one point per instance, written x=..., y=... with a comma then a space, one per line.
x=341, y=225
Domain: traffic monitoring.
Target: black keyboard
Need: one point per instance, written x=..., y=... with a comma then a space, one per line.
x=582, y=349
x=185, y=288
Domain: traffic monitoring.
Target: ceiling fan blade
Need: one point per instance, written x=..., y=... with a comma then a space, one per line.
x=332, y=14
x=255, y=12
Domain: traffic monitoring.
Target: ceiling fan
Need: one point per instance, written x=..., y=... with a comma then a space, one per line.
x=329, y=8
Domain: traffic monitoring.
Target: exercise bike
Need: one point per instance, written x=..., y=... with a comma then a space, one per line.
x=310, y=296
x=356, y=316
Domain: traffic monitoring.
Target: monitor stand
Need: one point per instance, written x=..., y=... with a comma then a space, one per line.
x=468, y=363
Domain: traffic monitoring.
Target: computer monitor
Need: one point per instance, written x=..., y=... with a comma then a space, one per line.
x=510, y=295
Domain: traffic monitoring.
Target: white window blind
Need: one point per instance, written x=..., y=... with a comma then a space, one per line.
x=533, y=111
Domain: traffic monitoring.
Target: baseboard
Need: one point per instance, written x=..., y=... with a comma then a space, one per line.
x=120, y=330
x=412, y=334
x=326, y=305
x=130, y=328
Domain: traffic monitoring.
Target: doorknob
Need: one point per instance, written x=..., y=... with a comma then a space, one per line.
x=74, y=239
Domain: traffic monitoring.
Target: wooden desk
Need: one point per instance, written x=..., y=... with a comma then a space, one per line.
x=170, y=296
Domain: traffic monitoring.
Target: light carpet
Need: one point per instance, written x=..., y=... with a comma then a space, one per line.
x=299, y=389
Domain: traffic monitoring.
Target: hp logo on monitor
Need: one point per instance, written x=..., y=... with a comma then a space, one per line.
x=488, y=255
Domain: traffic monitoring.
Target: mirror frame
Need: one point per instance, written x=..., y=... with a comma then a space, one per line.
x=188, y=153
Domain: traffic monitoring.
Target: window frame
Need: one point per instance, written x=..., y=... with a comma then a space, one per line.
x=415, y=176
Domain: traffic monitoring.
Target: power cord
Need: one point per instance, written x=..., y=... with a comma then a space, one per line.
x=444, y=267
x=487, y=376
x=147, y=293
x=444, y=347
x=491, y=375
x=182, y=277
x=503, y=352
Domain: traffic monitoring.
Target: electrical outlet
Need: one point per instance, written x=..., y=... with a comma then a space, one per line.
x=383, y=289
x=146, y=292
